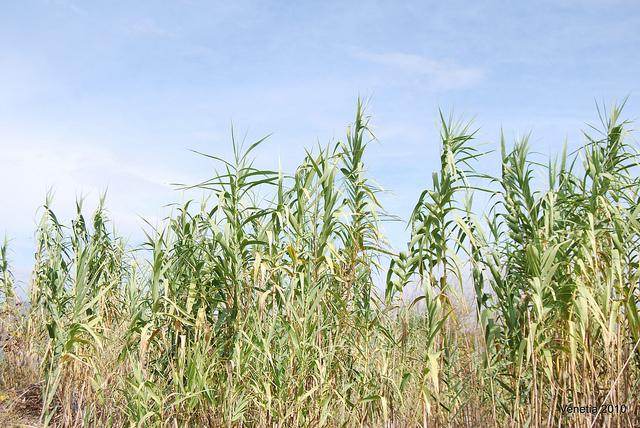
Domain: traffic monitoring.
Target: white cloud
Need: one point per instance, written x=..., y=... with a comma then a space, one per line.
x=148, y=27
x=31, y=166
x=66, y=5
x=443, y=75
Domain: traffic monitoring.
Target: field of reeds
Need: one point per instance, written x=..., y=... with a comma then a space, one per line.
x=277, y=301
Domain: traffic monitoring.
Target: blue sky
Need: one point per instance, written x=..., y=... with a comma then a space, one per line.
x=97, y=95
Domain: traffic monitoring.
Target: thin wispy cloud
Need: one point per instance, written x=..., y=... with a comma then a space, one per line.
x=148, y=27
x=69, y=5
x=74, y=170
x=443, y=75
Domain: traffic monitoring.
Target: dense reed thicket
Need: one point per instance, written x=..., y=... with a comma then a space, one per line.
x=277, y=302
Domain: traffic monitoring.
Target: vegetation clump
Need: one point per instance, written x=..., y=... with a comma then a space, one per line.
x=262, y=305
